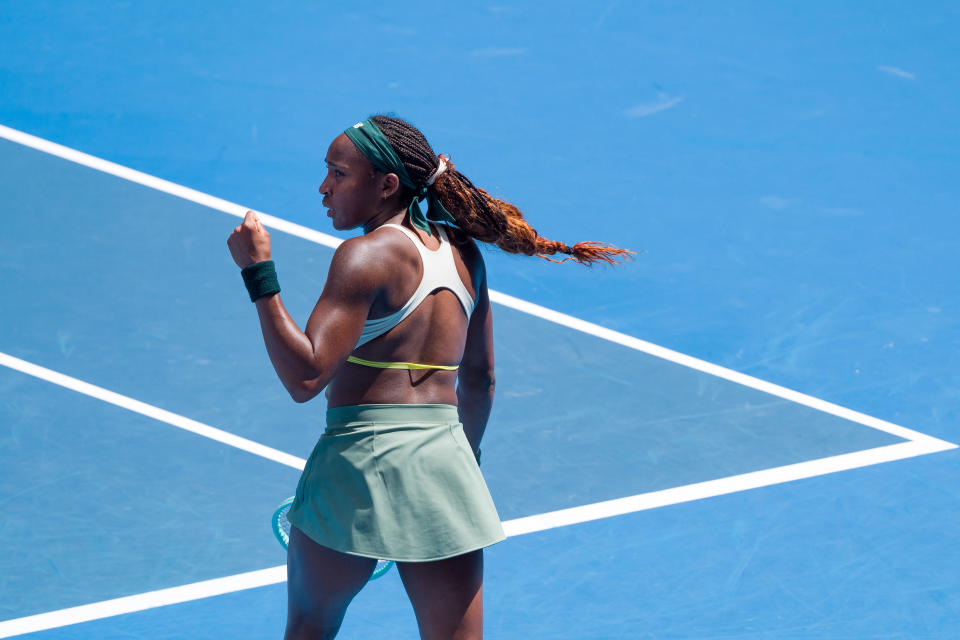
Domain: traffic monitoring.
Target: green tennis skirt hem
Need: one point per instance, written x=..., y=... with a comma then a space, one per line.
x=396, y=482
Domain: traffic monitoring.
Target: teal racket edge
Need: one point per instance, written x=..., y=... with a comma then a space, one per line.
x=281, y=529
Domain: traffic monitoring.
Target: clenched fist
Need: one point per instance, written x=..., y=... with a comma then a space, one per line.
x=249, y=243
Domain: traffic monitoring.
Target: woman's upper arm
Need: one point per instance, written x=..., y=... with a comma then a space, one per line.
x=337, y=319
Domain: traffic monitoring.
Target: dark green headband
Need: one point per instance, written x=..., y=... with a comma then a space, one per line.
x=374, y=145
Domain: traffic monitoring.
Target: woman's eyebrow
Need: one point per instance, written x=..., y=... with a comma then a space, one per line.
x=333, y=164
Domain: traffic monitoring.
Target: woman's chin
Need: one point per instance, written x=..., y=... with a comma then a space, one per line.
x=333, y=220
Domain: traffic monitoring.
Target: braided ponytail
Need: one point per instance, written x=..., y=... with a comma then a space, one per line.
x=478, y=214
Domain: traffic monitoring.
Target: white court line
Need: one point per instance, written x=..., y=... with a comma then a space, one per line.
x=918, y=443
x=707, y=367
x=151, y=411
x=504, y=299
x=165, y=186
x=513, y=528
x=723, y=486
x=142, y=601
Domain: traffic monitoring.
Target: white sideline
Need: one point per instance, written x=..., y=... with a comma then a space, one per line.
x=706, y=367
x=151, y=411
x=516, y=527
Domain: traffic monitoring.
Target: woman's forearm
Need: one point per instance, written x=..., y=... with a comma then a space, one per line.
x=292, y=353
x=474, y=402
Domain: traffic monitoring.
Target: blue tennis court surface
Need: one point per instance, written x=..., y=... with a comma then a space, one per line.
x=799, y=227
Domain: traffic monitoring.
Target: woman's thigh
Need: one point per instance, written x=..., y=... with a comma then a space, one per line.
x=447, y=596
x=321, y=583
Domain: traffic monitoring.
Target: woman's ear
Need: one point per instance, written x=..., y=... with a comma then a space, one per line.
x=389, y=185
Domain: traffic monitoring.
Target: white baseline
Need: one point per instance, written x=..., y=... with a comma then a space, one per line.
x=516, y=527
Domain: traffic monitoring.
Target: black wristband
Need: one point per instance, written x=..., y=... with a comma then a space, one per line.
x=260, y=279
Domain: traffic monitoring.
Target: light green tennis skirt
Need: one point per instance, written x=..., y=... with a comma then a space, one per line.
x=397, y=482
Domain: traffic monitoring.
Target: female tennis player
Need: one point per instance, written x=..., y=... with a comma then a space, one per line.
x=401, y=338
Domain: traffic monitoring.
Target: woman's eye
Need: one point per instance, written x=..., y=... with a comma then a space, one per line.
x=338, y=173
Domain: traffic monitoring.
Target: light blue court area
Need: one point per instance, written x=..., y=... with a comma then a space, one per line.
x=133, y=290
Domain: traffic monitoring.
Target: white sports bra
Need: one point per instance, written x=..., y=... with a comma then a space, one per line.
x=439, y=272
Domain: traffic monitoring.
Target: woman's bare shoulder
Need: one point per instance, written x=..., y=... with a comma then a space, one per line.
x=365, y=258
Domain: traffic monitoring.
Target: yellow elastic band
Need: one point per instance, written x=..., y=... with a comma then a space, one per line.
x=400, y=365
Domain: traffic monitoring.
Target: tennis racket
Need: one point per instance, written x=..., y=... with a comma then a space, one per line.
x=281, y=529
